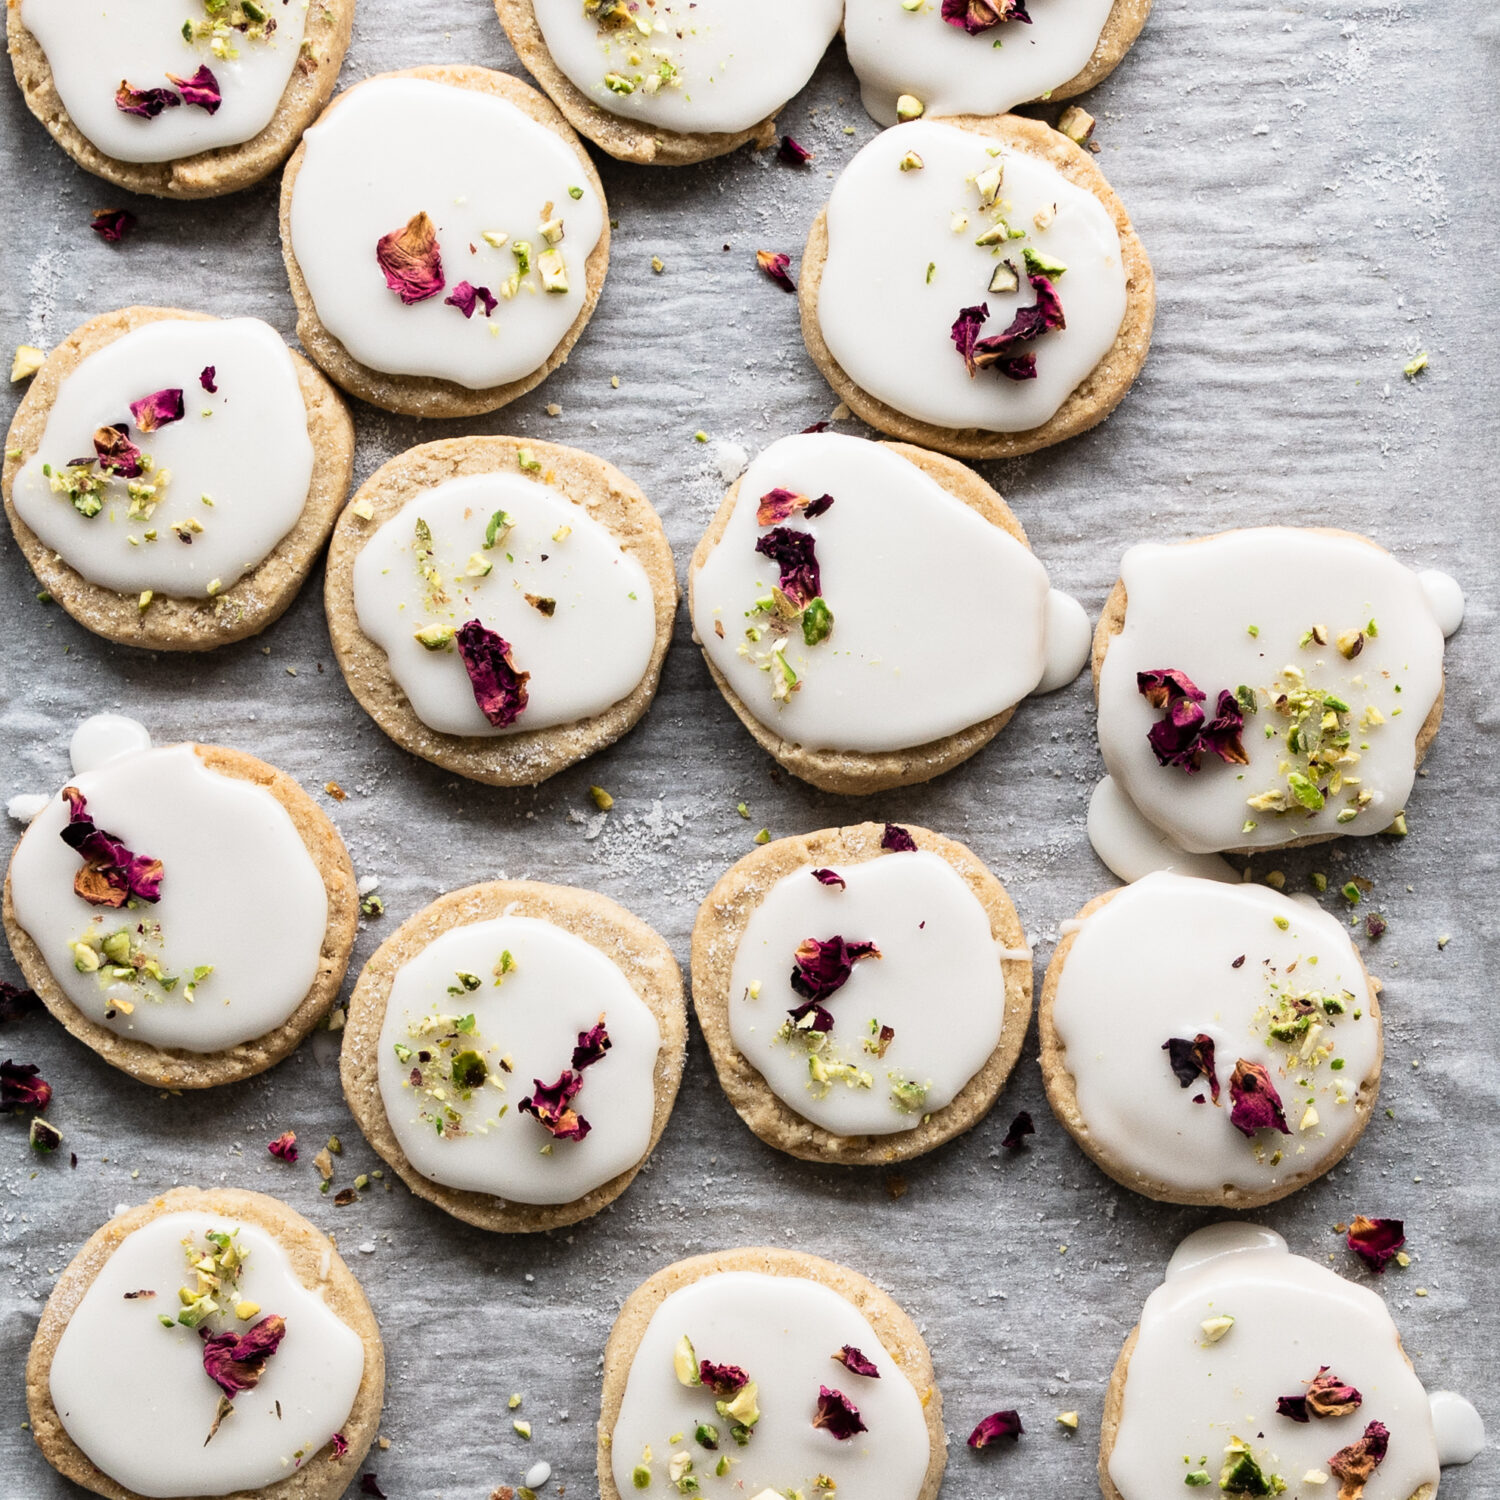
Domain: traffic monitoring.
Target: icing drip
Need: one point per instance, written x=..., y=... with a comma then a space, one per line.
x=1069, y=640
x=105, y=737
x=1446, y=598
x=1459, y=1428
x=1132, y=847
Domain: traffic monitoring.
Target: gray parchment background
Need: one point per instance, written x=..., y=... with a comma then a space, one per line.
x=1317, y=188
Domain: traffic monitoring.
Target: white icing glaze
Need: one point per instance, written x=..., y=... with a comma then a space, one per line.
x=898, y=272
x=896, y=50
x=1187, y=1397
x=940, y=617
x=1191, y=607
x=782, y=1331
x=245, y=448
x=1156, y=962
x=101, y=738
x=559, y=986
x=590, y=653
x=939, y=984
x=1133, y=847
x=90, y=48
x=707, y=66
x=1227, y=1237
x=1459, y=1428
x=239, y=892
x=1446, y=597
x=135, y=1397
x=396, y=147
x=1069, y=641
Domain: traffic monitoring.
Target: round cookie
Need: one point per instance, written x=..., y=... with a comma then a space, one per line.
x=176, y=1067
x=1288, y=646
x=723, y=929
x=1345, y=1326
x=314, y=1263
x=604, y=496
x=1098, y=391
x=1142, y=1125
x=417, y=394
x=895, y=1334
x=1018, y=631
x=205, y=173
x=639, y=959
x=182, y=622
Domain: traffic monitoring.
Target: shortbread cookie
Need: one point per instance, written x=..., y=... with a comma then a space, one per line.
x=864, y=991
x=767, y=1372
x=213, y=97
x=1271, y=686
x=514, y=1050
x=975, y=286
x=983, y=57
x=672, y=81
x=501, y=608
x=188, y=912
x=861, y=680
x=446, y=237
x=171, y=477
x=207, y=1343
x=1210, y=1043
x=1253, y=1371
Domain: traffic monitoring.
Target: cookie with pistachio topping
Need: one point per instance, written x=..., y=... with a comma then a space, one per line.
x=762, y=1372
x=207, y=1343
x=513, y=1051
x=127, y=486
x=501, y=608
x=213, y=99
x=864, y=991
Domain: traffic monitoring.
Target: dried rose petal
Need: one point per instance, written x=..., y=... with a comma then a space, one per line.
x=965, y=333
x=1256, y=1104
x=1192, y=1060
x=235, y=1362
x=112, y=224
x=1022, y=1126
x=1004, y=351
x=722, y=1380
x=1000, y=1424
x=776, y=505
x=369, y=1484
x=411, y=260
x=775, y=264
x=1376, y=1241
x=22, y=1087
x=551, y=1106
x=592, y=1045
x=284, y=1147
x=1181, y=738
x=856, y=1363
x=1165, y=686
x=975, y=16
x=1222, y=732
x=115, y=453
x=1354, y=1465
x=792, y=153
x=823, y=968
x=837, y=1414
x=794, y=553
x=1326, y=1396
x=208, y=379
x=340, y=1444
x=201, y=89
x=147, y=103
x=883, y=1040
x=16, y=1002
x=111, y=874
x=499, y=689
x=157, y=410
x=466, y=297
x=897, y=840
x=829, y=877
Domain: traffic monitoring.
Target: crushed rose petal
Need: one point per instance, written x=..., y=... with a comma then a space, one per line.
x=1004, y=350
x=284, y=1147
x=111, y=874
x=897, y=840
x=411, y=260
x=592, y=1045
x=776, y=505
x=1255, y=1103
x=158, y=409
x=795, y=554
x=774, y=263
x=235, y=1362
x=823, y=967
x=829, y=877
x=112, y=224
x=551, y=1105
x=837, y=1414
x=201, y=89
x=499, y=689
x=1000, y=1424
x=1326, y=1396
x=16, y=1002
x=340, y=1444
x=792, y=153
x=115, y=453
x=466, y=297
x=1193, y=1059
x=369, y=1484
x=722, y=1380
x=856, y=1363
x=974, y=16
x=1353, y=1465
x=1186, y=732
x=22, y=1087
x=1376, y=1241
x=1022, y=1126
x=208, y=379
x=147, y=103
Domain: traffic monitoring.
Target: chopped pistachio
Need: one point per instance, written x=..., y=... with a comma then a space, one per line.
x=479, y=566
x=640, y=1477
x=1068, y=1419
x=1077, y=124
x=1215, y=1328
x=363, y=509
x=528, y=461
x=552, y=231
x=434, y=637
x=763, y=837
x=523, y=1429
x=658, y=264
x=244, y=1311
x=26, y=362
x=522, y=252
x=911, y=162
x=1005, y=278
x=602, y=800
x=1411, y=369
x=494, y=238
x=553, y=271
x=909, y=107
x=685, y=1362
x=514, y=1401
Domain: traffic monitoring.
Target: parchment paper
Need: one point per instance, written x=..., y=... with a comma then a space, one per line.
x=1317, y=188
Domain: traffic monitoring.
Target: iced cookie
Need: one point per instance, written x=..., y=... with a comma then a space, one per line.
x=187, y=911
x=1255, y=1372
x=513, y=1051
x=983, y=57
x=128, y=486
x=825, y=595
x=1209, y=1043
x=1267, y=687
x=975, y=286
x=207, y=1343
x=501, y=608
x=864, y=991
x=178, y=100
x=446, y=237
x=666, y=82
x=767, y=1373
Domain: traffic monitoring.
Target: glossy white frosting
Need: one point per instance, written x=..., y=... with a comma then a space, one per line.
x=246, y=448
x=392, y=148
x=588, y=654
x=1156, y=961
x=782, y=1331
x=1191, y=607
x=101, y=738
x=1187, y=1397
x=1131, y=846
x=898, y=272
x=705, y=66
x=939, y=984
x=899, y=50
x=90, y=48
x=135, y=1397
x=239, y=892
x=559, y=986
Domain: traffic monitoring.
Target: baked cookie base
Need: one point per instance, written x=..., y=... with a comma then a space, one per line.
x=1123, y=26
